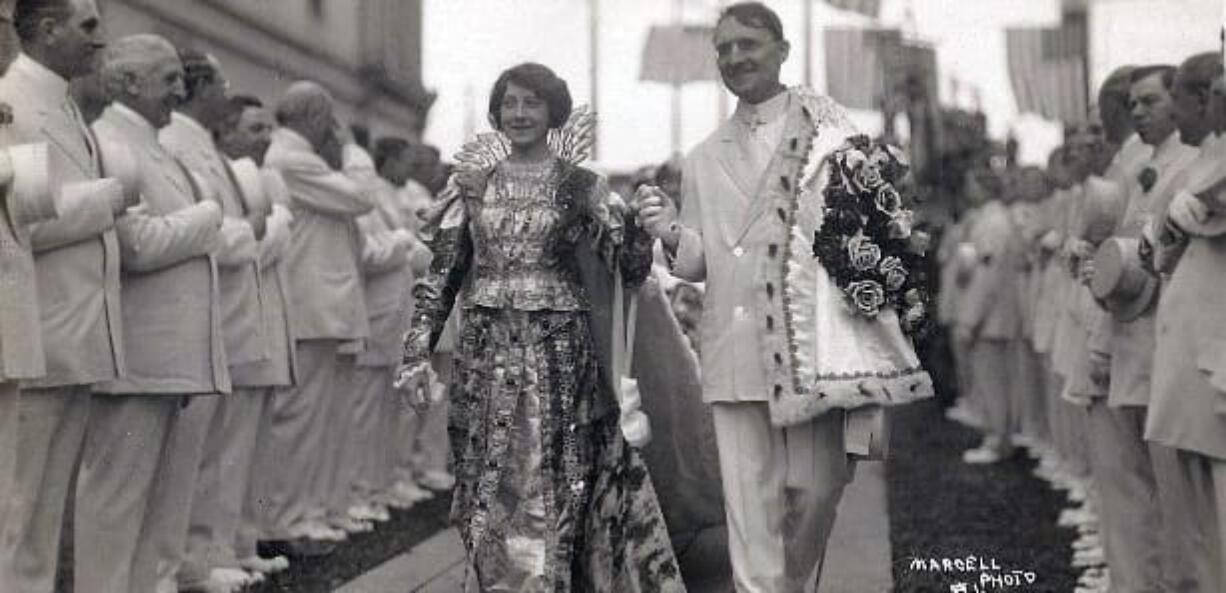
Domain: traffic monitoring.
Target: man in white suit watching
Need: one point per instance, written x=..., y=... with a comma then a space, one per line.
x=199, y=551
x=244, y=134
x=76, y=262
x=327, y=192
x=171, y=317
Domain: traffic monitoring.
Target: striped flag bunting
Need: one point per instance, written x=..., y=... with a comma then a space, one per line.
x=871, y=8
x=1047, y=71
x=865, y=67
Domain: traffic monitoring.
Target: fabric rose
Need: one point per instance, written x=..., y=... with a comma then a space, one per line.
x=867, y=178
x=863, y=253
x=894, y=272
x=888, y=200
x=867, y=296
x=900, y=224
x=851, y=159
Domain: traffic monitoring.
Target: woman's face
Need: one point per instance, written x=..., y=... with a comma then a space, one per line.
x=525, y=117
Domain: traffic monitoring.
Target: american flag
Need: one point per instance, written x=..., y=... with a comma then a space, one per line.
x=870, y=8
x=1047, y=69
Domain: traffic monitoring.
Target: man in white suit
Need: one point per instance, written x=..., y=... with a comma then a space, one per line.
x=1132, y=342
x=1119, y=458
x=781, y=485
x=76, y=262
x=988, y=316
x=244, y=133
x=326, y=298
x=1185, y=408
x=205, y=442
x=172, y=330
x=25, y=197
x=386, y=274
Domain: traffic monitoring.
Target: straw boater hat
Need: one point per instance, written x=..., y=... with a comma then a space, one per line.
x=1120, y=281
x=1103, y=206
x=30, y=173
x=251, y=184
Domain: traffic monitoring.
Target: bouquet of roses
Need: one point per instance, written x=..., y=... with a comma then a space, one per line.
x=866, y=242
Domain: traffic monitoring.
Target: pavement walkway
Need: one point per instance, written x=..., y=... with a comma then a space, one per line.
x=858, y=560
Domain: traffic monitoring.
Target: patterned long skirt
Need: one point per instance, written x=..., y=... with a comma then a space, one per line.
x=549, y=497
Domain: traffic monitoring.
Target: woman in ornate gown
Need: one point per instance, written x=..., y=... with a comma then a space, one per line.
x=549, y=497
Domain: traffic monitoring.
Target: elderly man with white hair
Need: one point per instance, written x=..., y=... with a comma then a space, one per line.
x=205, y=532
x=171, y=317
x=328, y=185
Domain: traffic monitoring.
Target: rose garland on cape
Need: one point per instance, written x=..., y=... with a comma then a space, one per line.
x=866, y=242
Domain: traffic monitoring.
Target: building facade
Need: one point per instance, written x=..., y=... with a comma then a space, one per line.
x=367, y=52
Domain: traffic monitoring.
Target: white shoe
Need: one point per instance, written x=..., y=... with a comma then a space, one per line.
x=411, y=491
x=438, y=481
x=235, y=578
x=361, y=512
x=381, y=513
x=264, y=565
x=397, y=500
x=982, y=456
x=316, y=531
x=1089, y=557
x=1087, y=541
x=349, y=525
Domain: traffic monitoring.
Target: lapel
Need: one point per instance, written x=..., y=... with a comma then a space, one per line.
x=68, y=139
x=782, y=173
x=734, y=161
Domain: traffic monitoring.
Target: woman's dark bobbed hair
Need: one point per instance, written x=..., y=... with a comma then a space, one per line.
x=538, y=79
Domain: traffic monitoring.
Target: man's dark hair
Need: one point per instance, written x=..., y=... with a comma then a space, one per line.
x=29, y=13
x=755, y=15
x=1165, y=70
x=235, y=106
x=198, y=70
x=540, y=80
x=388, y=148
x=1199, y=71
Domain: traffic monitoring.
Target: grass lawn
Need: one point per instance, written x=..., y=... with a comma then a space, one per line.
x=941, y=508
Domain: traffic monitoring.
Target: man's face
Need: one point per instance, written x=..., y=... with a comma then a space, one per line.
x=213, y=94
x=1153, y=111
x=422, y=164
x=1190, y=110
x=399, y=169
x=160, y=91
x=1086, y=145
x=251, y=134
x=749, y=59
x=75, y=40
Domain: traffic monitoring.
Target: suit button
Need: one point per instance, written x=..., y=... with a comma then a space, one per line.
x=739, y=312
x=739, y=251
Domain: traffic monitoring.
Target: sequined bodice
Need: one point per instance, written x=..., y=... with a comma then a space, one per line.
x=522, y=243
